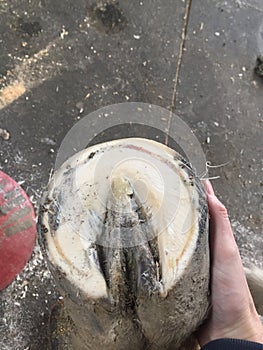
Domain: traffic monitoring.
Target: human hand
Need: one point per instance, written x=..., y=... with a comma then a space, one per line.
x=233, y=314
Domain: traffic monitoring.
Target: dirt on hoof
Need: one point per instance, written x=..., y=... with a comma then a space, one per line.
x=61, y=328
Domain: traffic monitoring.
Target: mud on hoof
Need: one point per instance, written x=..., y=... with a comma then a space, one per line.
x=61, y=328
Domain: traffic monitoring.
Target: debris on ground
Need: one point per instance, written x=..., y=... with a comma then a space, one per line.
x=4, y=134
x=259, y=66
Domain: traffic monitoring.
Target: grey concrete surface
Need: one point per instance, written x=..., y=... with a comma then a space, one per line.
x=61, y=60
x=220, y=96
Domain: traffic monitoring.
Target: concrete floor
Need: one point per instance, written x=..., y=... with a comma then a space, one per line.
x=60, y=60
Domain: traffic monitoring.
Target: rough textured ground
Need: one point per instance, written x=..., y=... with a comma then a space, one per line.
x=60, y=60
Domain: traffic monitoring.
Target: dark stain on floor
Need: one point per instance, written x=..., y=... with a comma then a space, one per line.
x=259, y=66
x=108, y=17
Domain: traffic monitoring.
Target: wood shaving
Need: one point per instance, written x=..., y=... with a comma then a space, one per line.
x=4, y=134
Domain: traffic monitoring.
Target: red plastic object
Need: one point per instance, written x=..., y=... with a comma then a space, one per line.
x=17, y=229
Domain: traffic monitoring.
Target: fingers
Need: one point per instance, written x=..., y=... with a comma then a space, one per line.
x=223, y=243
x=233, y=314
x=225, y=255
x=208, y=187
